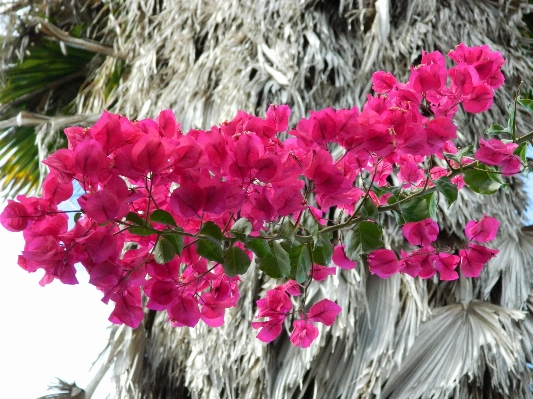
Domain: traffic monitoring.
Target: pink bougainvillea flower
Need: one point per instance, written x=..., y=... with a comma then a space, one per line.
x=383, y=82
x=474, y=258
x=340, y=259
x=128, y=309
x=56, y=191
x=184, y=311
x=324, y=311
x=320, y=273
x=479, y=100
x=383, y=262
x=419, y=263
x=421, y=233
x=483, y=231
x=511, y=165
x=269, y=330
x=303, y=334
x=494, y=151
x=15, y=216
x=446, y=264
x=279, y=115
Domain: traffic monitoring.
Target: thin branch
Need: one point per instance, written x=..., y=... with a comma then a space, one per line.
x=85, y=44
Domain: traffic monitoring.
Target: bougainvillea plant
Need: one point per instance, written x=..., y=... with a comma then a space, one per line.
x=177, y=217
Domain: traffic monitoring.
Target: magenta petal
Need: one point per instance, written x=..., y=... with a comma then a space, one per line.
x=324, y=311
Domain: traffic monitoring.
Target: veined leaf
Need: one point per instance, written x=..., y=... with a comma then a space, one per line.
x=480, y=181
x=161, y=216
x=277, y=264
x=445, y=186
x=210, y=250
x=211, y=229
x=164, y=251
x=362, y=239
x=236, y=262
x=259, y=247
x=300, y=263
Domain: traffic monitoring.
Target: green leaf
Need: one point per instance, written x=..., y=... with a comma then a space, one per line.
x=164, y=251
x=481, y=181
x=241, y=229
x=287, y=230
x=322, y=252
x=526, y=103
x=161, y=216
x=432, y=202
x=445, y=186
x=277, y=264
x=461, y=153
x=415, y=209
x=369, y=209
x=210, y=250
x=521, y=151
x=134, y=218
x=312, y=226
x=176, y=240
x=141, y=231
x=259, y=247
x=77, y=216
x=236, y=262
x=211, y=229
x=362, y=239
x=300, y=263
x=496, y=129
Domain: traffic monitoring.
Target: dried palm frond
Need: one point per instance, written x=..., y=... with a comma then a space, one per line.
x=64, y=390
x=399, y=337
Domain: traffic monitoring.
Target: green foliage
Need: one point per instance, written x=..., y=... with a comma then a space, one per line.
x=164, y=250
x=482, y=180
x=362, y=239
x=235, y=262
x=161, y=216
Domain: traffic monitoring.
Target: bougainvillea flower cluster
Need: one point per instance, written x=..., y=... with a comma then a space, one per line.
x=176, y=218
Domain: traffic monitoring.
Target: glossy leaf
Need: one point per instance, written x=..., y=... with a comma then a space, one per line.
x=496, y=129
x=415, y=209
x=259, y=247
x=164, y=251
x=176, y=240
x=300, y=263
x=362, y=239
x=161, y=216
x=236, y=262
x=241, y=229
x=480, y=181
x=447, y=188
x=322, y=252
x=212, y=230
x=277, y=264
x=141, y=231
x=134, y=218
x=210, y=250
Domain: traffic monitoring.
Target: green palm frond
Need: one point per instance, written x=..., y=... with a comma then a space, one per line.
x=19, y=160
x=46, y=81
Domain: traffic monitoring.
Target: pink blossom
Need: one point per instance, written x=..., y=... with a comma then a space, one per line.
x=383, y=262
x=324, y=311
x=15, y=216
x=483, y=231
x=421, y=233
x=303, y=334
x=474, y=258
x=341, y=260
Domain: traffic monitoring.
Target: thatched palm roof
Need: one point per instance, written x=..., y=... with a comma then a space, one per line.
x=396, y=338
